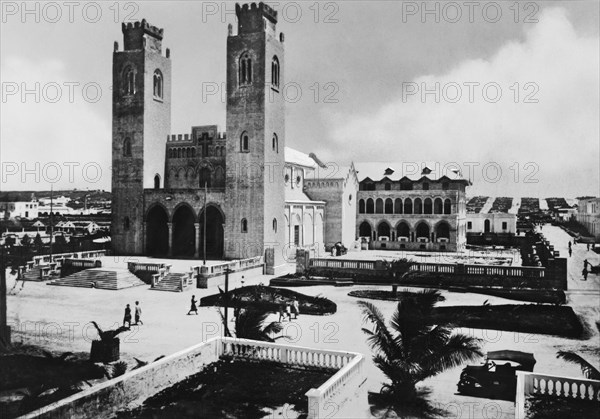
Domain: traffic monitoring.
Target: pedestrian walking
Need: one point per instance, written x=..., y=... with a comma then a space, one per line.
x=570, y=252
x=296, y=308
x=585, y=264
x=127, y=317
x=193, y=307
x=585, y=274
x=588, y=247
x=569, y=244
x=281, y=313
x=138, y=313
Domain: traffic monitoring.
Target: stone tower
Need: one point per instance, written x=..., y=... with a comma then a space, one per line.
x=255, y=197
x=141, y=122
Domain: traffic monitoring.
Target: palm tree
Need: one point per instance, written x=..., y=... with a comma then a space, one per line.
x=251, y=323
x=400, y=269
x=589, y=371
x=411, y=349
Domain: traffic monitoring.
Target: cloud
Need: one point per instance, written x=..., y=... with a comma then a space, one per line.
x=55, y=133
x=554, y=124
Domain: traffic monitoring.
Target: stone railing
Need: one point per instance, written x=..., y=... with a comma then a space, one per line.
x=50, y=265
x=476, y=275
x=148, y=267
x=233, y=266
x=531, y=384
x=105, y=399
x=329, y=398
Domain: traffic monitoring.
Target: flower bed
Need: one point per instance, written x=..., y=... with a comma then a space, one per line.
x=270, y=299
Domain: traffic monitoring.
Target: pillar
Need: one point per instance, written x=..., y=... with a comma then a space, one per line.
x=197, y=252
x=170, y=225
x=144, y=232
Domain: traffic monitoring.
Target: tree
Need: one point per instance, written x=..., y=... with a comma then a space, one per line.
x=26, y=240
x=400, y=269
x=411, y=349
x=37, y=241
x=588, y=370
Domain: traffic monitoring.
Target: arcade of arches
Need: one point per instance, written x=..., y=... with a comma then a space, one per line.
x=405, y=206
x=419, y=231
x=182, y=233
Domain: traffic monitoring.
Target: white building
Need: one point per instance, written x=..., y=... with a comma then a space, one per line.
x=497, y=215
x=20, y=209
x=588, y=214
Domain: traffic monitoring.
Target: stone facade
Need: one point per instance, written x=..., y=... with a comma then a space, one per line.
x=422, y=212
x=223, y=195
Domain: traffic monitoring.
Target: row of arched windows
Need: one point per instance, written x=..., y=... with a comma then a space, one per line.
x=129, y=82
x=245, y=70
x=406, y=206
x=403, y=230
x=185, y=152
x=245, y=142
x=206, y=176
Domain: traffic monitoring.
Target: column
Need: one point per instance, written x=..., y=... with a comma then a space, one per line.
x=197, y=252
x=144, y=232
x=170, y=225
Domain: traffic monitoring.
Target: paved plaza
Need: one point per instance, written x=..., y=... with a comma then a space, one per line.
x=57, y=318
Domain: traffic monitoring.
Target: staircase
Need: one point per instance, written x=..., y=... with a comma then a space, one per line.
x=32, y=275
x=103, y=278
x=171, y=282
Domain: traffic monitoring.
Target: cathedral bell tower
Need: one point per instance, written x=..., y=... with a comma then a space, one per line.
x=255, y=197
x=141, y=122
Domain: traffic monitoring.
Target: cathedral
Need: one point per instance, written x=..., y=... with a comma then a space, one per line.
x=227, y=195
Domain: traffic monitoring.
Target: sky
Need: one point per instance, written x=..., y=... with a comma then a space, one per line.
x=508, y=91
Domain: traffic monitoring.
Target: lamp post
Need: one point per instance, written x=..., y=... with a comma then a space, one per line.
x=4, y=328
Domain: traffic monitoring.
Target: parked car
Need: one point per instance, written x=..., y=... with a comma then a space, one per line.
x=496, y=378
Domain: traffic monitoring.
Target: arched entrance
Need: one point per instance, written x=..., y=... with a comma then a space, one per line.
x=423, y=230
x=403, y=230
x=443, y=230
x=214, y=233
x=184, y=232
x=383, y=230
x=157, y=232
x=486, y=226
x=364, y=230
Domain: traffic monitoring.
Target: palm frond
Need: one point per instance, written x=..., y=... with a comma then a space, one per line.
x=380, y=338
x=588, y=370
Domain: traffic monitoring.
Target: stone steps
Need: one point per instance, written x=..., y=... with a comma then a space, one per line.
x=171, y=282
x=102, y=278
x=32, y=275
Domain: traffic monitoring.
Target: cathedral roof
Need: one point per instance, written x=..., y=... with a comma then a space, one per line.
x=413, y=171
x=299, y=158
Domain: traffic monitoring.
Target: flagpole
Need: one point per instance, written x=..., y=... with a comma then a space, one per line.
x=204, y=227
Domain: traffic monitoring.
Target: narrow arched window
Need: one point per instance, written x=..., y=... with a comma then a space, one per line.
x=129, y=80
x=158, y=84
x=244, y=142
x=157, y=182
x=275, y=72
x=244, y=225
x=275, y=143
x=275, y=225
x=245, y=69
x=127, y=147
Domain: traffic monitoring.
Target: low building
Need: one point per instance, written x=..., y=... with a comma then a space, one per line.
x=492, y=215
x=413, y=208
x=588, y=214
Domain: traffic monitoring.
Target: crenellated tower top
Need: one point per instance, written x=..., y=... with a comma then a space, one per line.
x=254, y=17
x=142, y=35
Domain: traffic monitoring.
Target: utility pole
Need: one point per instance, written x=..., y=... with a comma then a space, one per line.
x=51, y=219
x=226, y=303
x=4, y=328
